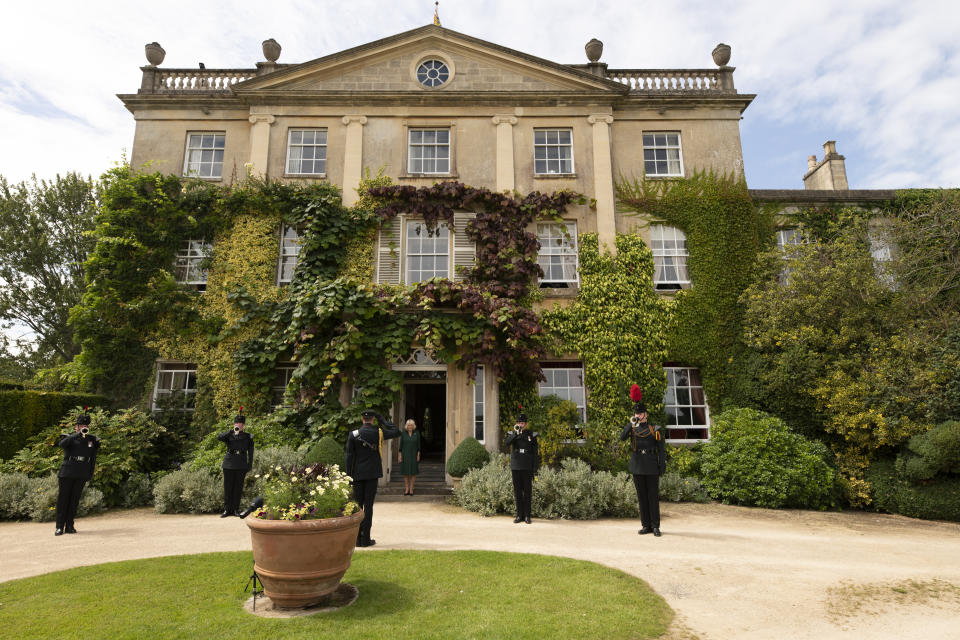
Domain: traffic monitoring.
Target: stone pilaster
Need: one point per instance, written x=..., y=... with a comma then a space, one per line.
x=260, y=142
x=352, y=158
x=506, y=176
x=603, y=180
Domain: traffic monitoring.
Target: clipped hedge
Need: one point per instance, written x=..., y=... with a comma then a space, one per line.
x=468, y=455
x=754, y=459
x=25, y=413
x=931, y=500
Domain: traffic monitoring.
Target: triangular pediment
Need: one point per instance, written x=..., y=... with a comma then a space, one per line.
x=390, y=65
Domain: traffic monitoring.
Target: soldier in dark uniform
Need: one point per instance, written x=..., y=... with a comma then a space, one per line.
x=365, y=466
x=648, y=461
x=523, y=464
x=237, y=461
x=79, y=457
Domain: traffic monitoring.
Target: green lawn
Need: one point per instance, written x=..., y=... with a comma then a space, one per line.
x=403, y=594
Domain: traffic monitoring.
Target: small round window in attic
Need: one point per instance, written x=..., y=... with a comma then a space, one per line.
x=432, y=73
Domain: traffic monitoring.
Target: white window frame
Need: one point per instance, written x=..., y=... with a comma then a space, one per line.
x=558, y=240
x=436, y=146
x=882, y=251
x=479, y=417
x=653, y=144
x=564, y=392
x=171, y=369
x=295, y=165
x=186, y=269
x=690, y=405
x=409, y=228
x=204, y=149
x=788, y=237
x=551, y=140
x=289, y=253
x=677, y=257
x=276, y=391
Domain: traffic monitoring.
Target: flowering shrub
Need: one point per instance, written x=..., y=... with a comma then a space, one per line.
x=306, y=493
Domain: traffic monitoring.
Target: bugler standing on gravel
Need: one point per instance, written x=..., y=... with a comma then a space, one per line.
x=524, y=461
x=237, y=461
x=79, y=457
x=648, y=461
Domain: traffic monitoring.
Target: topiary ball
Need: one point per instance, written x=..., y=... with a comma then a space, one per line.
x=468, y=455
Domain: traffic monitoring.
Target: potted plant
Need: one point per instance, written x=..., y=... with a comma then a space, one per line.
x=304, y=534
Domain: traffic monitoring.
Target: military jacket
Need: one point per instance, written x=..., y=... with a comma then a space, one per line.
x=79, y=455
x=648, y=454
x=239, y=455
x=363, y=450
x=526, y=451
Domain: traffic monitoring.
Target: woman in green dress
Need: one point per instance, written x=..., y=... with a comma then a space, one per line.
x=409, y=455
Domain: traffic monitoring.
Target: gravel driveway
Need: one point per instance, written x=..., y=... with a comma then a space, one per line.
x=728, y=572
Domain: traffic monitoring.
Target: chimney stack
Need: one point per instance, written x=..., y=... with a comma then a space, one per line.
x=829, y=174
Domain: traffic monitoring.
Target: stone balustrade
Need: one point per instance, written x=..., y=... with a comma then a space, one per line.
x=674, y=80
x=655, y=81
x=201, y=80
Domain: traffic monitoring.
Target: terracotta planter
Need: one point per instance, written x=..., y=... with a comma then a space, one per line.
x=301, y=562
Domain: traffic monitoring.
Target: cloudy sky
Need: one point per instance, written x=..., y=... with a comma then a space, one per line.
x=881, y=77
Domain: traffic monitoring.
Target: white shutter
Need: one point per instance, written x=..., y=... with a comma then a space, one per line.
x=388, y=251
x=464, y=249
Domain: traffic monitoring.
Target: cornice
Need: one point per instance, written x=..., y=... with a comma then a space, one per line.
x=824, y=196
x=135, y=101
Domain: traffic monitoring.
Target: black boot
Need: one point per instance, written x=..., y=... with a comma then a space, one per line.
x=69, y=529
x=225, y=514
x=656, y=531
x=58, y=532
x=517, y=520
x=645, y=531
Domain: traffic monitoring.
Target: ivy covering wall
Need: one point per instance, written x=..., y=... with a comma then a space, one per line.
x=618, y=325
x=724, y=232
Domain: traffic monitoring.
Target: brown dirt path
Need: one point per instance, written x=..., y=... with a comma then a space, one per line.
x=729, y=572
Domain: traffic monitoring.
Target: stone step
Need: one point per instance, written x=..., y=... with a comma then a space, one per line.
x=417, y=497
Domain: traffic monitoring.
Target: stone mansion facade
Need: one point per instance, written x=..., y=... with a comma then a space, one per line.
x=432, y=104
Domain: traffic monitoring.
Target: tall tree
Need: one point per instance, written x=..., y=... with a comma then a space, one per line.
x=43, y=244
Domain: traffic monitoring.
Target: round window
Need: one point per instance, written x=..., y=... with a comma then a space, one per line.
x=432, y=73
